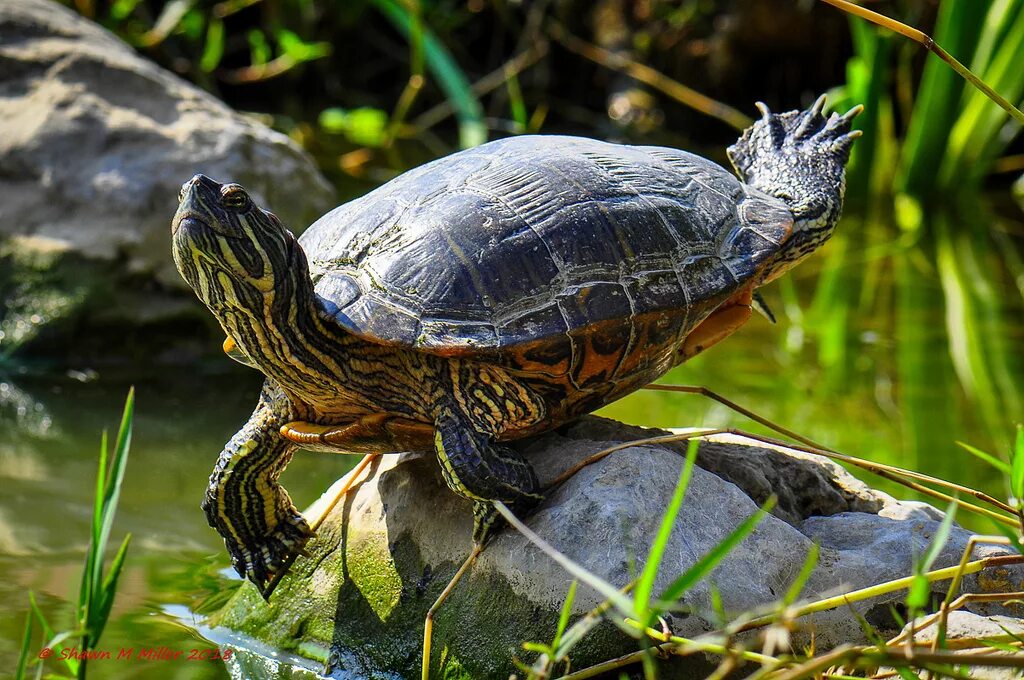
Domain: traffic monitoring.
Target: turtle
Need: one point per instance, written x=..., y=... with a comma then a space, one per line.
x=487, y=296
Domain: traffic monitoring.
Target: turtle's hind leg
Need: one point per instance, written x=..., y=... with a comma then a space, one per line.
x=477, y=468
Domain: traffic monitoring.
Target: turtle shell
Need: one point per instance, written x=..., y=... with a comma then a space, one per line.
x=540, y=252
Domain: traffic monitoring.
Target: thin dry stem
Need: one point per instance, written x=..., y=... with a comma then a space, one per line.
x=933, y=47
x=351, y=478
x=490, y=82
x=647, y=75
x=816, y=448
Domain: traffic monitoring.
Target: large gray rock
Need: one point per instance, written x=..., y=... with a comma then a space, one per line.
x=95, y=143
x=382, y=556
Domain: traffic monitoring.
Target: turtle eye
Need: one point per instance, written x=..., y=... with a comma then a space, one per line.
x=234, y=197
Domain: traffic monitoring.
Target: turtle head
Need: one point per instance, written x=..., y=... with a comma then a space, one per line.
x=799, y=157
x=228, y=249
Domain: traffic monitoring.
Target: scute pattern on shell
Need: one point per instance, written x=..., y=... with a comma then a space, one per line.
x=528, y=242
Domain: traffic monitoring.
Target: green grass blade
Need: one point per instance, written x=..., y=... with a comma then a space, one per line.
x=645, y=585
x=706, y=564
x=797, y=587
x=86, y=588
x=1011, y=535
x=101, y=613
x=26, y=644
x=451, y=79
x=940, y=538
x=998, y=464
x=976, y=319
x=1017, y=478
x=867, y=78
x=998, y=22
x=935, y=106
x=563, y=616
x=213, y=49
x=978, y=136
x=112, y=492
x=517, y=106
x=48, y=634
x=920, y=588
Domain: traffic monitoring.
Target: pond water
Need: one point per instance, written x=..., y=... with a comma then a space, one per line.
x=862, y=359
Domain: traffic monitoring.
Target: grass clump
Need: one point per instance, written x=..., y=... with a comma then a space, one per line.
x=98, y=586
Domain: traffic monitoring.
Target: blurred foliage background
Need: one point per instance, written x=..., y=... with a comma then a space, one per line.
x=919, y=296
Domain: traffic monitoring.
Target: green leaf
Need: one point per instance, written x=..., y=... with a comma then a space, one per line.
x=364, y=126
x=48, y=634
x=537, y=648
x=299, y=50
x=918, y=594
x=940, y=538
x=563, y=617
x=468, y=111
x=1017, y=476
x=645, y=585
x=797, y=587
x=998, y=464
x=1001, y=646
x=516, y=104
x=920, y=588
x=213, y=49
x=259, y=48
x=121, y=9
x=193, y=25
x=907, y=674
x=578, y=631
x=26, y=644
x=706, y=564
x=101, y=613
x=333, y=120
x=112, y=491
x=1010, y=534
x=367, y=126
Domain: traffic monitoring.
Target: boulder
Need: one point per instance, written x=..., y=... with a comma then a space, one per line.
x=383, y=555
x=96, y=143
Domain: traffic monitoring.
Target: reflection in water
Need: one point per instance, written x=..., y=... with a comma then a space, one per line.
x=24, y=414
x=892, y=353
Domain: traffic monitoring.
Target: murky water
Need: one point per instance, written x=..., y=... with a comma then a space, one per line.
x=880, y=376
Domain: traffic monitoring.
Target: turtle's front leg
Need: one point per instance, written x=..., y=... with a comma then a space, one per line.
x=245, y=504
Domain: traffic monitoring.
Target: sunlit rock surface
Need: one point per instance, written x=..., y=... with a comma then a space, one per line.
x=95, y=143
x=383, y=555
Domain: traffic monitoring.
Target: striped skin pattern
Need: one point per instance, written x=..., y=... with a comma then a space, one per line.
x=490, y=295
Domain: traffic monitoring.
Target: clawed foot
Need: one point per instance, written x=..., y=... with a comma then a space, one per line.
x=261, y=561
x=260, y=558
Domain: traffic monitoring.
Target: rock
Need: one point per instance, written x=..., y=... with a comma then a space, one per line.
x=96, y=143
x=965, y=630
x=383, y=555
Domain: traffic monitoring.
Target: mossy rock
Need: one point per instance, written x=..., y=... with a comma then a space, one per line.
x=384, y=554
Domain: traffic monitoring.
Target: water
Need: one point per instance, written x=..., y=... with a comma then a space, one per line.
x=880, y=377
